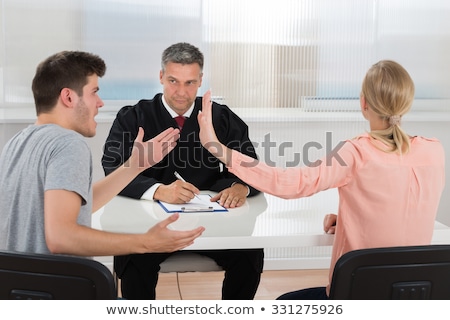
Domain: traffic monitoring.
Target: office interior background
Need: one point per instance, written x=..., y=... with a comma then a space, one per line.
x=292, y=69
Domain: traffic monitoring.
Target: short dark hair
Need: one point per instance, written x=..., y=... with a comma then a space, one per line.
x=183, y=53
x=66, y=69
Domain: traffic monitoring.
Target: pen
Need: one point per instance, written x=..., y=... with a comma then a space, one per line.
x=207, y=209
x=177, y=175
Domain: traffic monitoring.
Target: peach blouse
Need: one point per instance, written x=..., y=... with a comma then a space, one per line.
x=385, y=199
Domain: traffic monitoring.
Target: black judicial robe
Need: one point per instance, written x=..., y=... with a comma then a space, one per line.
x=194, y=163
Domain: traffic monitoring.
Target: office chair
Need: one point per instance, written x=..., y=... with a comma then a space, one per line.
x=45, y=277
x=411, y=272
x=186, y=261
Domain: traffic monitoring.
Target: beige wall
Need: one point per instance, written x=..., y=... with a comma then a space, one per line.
x=270, y=75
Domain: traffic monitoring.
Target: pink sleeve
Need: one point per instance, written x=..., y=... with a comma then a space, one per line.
x=296, y=182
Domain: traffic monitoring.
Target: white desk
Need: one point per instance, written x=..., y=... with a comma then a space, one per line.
x=249, y=226
x=262, y=222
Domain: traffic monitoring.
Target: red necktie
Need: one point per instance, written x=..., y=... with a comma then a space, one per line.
x=180, y=121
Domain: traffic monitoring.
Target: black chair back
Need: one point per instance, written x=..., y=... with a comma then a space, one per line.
x=44, y=277
x=412, y=272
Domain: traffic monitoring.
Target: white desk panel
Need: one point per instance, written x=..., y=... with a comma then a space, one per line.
x=262, y=222
x=254, y=225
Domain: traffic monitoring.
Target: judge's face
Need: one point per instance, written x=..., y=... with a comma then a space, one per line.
x=180, y=85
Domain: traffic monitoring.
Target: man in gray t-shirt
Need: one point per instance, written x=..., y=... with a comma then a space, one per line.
x=38, y=159
x=47, y=194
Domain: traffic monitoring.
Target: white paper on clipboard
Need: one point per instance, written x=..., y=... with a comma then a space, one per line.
x=201, y=203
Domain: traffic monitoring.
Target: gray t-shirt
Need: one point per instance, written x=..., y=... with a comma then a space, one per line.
x=40, y=158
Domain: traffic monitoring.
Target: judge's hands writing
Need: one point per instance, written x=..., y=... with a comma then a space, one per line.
x=177, y=192
x=148, y=153
x=161, y=239
x=329, y=223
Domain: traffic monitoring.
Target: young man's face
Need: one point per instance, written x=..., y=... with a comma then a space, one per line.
x=180, y=84
x=87, y=108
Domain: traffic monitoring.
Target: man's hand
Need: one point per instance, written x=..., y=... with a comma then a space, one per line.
x=161, y=239
x=329, y=223
x=177, y=192
x=233, y=196
x=149, y=153
x=64, y=235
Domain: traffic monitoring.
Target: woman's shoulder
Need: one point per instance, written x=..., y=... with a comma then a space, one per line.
x=429, y=145
x=421, y=139
x=365, y=138
x=360, y=140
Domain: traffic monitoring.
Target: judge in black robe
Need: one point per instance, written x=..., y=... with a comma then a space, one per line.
x=139, y=272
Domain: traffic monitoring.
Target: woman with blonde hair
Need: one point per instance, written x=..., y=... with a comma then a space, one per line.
x=389, y=92
x=389, y=183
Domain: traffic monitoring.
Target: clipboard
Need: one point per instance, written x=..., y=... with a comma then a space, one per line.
x=201, y=203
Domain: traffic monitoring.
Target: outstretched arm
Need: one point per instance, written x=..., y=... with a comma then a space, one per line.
x=234, y=196
x=207, y=134
x=64, y=235
x=144, y=155
x=118, y=148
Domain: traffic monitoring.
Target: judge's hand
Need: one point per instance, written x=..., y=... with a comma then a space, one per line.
x=233, y=196
x=177, y=192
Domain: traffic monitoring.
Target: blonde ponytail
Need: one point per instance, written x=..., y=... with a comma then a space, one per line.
x=389, y=91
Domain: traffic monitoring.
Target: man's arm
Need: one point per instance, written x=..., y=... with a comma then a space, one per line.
x=64, y=235
x=117, y=150
x=143, y=156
